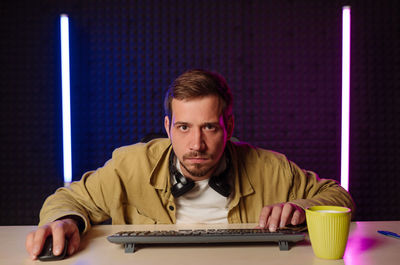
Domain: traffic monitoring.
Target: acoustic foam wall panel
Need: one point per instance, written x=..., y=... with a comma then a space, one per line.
x=30, y=119
x=375, y=123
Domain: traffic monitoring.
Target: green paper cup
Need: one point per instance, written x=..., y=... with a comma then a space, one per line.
x=328, y=228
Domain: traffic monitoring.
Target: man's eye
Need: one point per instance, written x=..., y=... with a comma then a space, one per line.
x=183, y=128
x=210, y=127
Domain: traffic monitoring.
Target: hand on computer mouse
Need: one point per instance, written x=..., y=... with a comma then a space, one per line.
x=59, y=230
x=47, y=250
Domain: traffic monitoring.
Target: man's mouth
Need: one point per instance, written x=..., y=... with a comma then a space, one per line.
x=194, y=156
x=196, y=159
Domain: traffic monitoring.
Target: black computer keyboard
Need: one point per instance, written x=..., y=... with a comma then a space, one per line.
x=130, y=238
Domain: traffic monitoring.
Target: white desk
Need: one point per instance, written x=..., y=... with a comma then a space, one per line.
x=365, y=247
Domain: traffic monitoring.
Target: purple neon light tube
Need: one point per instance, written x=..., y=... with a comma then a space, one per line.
x=345, y=144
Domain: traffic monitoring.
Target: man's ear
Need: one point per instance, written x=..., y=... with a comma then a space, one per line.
x=230, y=124
x=166, y=125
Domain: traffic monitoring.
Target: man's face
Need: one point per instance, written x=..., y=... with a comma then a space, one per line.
x=198, y=135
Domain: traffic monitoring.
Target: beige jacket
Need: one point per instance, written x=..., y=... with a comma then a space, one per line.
x=134, y=187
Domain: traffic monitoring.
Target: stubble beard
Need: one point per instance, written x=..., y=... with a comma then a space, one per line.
x=198, y=171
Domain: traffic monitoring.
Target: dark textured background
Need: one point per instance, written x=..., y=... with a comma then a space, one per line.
x=281, y=58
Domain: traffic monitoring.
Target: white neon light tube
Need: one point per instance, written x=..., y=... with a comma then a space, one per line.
x=345, y=144
x=66, y=109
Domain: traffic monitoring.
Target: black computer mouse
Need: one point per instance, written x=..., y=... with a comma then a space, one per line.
x=47, y=251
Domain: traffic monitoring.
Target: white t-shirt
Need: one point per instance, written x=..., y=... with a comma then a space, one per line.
x=202, y=204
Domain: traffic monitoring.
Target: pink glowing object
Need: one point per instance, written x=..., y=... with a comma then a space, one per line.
x=344, y=179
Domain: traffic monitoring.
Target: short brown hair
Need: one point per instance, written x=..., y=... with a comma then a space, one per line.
x=199, y=83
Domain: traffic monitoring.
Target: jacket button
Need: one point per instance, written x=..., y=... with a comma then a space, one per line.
x=171, y=207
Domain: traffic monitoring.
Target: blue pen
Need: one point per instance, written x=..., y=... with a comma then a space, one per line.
x=388, y=233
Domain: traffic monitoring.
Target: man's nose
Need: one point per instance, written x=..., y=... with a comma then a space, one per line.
x=197, y=141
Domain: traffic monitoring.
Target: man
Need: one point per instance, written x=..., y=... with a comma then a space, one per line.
x=195, y=176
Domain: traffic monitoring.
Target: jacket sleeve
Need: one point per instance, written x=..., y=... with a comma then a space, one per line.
x=88, y=199
x=309, y=190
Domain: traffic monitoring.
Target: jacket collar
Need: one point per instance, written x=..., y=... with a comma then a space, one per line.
x=242, y=185
x=159, y=177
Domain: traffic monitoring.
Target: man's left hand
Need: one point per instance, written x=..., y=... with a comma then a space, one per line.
x=281, y=214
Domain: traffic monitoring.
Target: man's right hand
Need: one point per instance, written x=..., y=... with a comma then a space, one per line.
x=60, y=229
